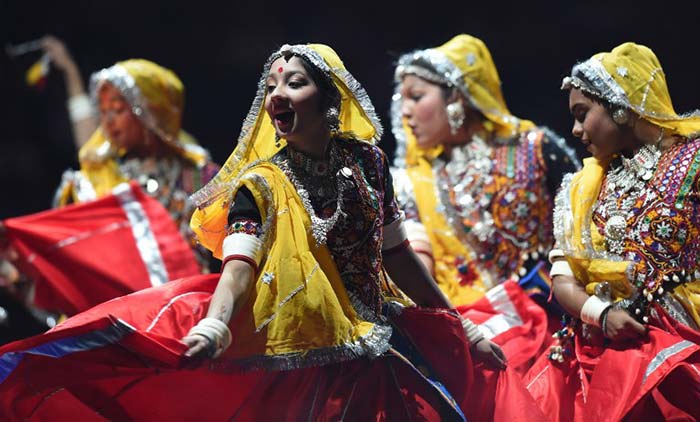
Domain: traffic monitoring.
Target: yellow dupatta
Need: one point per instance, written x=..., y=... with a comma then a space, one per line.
x=465, y=63
x=156, y=96
x=300, y=312
x=629, y=76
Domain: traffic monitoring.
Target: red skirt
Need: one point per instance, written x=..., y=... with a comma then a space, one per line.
x=654, y=378
x=123, y=360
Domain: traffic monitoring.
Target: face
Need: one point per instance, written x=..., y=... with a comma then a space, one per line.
x=122, y=127
x=593, y=124
x=424, y=108
x=293, y=100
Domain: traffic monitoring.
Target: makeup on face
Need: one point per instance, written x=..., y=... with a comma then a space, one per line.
x=293, y=100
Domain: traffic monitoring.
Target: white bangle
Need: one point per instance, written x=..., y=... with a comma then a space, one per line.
x=560, y=267
x=243, y=244
x=472, y=331
x=394, y=233
x=79, y=108
x=216, y=331
x=592, y=310
x=554, y=254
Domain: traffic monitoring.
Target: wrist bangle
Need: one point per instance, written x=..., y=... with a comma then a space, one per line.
x=472, y=331
x=79, y=108
x=604, y=320
x=592, y=310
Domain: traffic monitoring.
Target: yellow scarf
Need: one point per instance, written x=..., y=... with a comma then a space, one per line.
x=303, y=309
x=156, y=97
x=629, y=76
x=466, y=62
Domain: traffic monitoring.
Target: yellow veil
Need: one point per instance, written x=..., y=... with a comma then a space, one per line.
x=465, y=63
x=156, y=97
x=629, y=76
x=257, y=139
x=299, y=312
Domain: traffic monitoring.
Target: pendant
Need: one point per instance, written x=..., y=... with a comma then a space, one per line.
x=615, y=227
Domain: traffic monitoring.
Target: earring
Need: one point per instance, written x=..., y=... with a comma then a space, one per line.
x=455, y=116
x=277, y=141
x=621, y=116
x=332, y=119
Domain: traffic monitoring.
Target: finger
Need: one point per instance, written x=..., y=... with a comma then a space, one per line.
x=196, y=349
x=501, y=355
x=636, y=327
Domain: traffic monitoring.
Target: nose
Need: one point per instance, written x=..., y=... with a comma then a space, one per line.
x=577, y=130
x=277, y=98
x=406, y=108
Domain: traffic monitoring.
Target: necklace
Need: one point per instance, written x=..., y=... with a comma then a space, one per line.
x=460, y=184
x=624, y=185
x=343, y=180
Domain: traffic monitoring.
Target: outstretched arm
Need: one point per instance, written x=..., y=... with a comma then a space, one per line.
x=230, y=294
x=80, y=110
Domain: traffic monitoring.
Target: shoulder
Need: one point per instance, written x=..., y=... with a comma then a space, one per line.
x=361, y=148
x=682, y=160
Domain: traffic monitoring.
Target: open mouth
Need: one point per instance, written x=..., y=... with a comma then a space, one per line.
x=284, y=120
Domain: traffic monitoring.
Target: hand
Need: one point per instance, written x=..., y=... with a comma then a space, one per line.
x=621, y=326
x=58, y=53
x=199, y=346
x=490, y=353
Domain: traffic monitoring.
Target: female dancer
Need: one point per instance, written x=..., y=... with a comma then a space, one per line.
x=476, y=182
x=304, y=218
x=625, y=265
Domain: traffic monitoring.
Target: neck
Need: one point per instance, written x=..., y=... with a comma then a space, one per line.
x=313, y=145
x=154, y=148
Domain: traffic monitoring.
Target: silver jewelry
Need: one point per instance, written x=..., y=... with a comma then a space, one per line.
x=332, y=119
x=455, y=116
x=277, y=141
x=628, y=181
x=621, y=116
x=319, y=226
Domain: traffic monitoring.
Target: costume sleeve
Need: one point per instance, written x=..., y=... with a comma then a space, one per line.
x=559, y=159
x=244, y=230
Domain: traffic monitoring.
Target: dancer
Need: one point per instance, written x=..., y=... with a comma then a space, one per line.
x=305, y=224
x=625, y=266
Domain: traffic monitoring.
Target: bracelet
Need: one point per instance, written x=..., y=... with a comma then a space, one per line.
x=604, y=320
x=592, y=310
x=215, y=331
x=472, y=331
x=560, y=267
x=79, y=108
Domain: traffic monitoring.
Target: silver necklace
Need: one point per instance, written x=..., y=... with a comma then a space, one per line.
x=460, y=183
x=320, y=226
x=628, y=181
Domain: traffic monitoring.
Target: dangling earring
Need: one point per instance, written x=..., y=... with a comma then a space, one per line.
x=455, y=116
x=621, y=116
x=332, y=119
x=277, y=141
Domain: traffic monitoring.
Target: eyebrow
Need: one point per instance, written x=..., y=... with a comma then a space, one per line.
x=287, y=74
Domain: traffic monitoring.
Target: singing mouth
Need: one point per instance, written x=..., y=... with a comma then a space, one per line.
x=284, y=118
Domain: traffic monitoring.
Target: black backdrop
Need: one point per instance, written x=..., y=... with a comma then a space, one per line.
x=218, y=49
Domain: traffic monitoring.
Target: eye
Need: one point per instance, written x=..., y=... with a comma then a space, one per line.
x=579, y=114
x=296, y=83
x=270, y=88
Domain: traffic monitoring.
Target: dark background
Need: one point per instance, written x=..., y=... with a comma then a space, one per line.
x=218, y=49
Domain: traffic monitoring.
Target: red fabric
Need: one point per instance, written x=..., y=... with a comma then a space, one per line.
x=104, y=263
x=144, y=376
x=610, y=382
x=501, y=395
x=526, y=338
